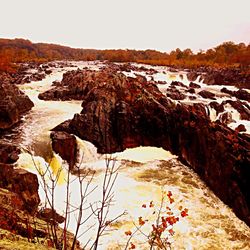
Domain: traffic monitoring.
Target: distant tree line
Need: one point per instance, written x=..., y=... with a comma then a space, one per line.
x=228, y=54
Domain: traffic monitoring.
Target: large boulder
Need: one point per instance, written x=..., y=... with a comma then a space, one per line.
x=194, y=85
x=207, y=94
x=179, y=84
x=241, y=128
x=65, y=145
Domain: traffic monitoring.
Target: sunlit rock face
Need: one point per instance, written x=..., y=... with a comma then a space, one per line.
x=121, y=112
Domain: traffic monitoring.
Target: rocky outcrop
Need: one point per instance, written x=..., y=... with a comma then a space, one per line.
x=128, y=67
x=179, y=84
x=241, y=128
x=240, y=94
x=22, y=228
x=218, y=107
x=13, y=104
x=8, y=153
x=77, y=83
x=21, y=182
x=226, y=118
x=121, y=112
x=242, y=107
x=175, y=94
x=65, y=145
x=206, y=94
x=192, y=76
x=22, y=74
x=74, y=85
x=194, y=85
x=213, y=76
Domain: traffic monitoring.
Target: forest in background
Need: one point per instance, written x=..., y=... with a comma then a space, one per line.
x=225, y=55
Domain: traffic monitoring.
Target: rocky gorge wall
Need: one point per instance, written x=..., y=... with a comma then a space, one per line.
x=121, y=112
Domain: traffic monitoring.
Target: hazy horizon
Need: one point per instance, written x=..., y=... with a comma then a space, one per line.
x=161, y=25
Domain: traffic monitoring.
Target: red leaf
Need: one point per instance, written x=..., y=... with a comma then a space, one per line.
x=151, y=204
x=169, y=194
x=184, y=213
x=171, y=231
x=128, y=233
x=132, y=246
x=141, y=221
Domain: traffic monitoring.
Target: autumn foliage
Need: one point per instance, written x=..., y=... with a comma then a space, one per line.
x=227, y=54
x=162, y=227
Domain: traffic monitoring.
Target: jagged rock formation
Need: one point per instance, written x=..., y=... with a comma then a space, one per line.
x=242, y=107
x=65, y=145
x=120, y=112
x=13, y=104
x=240, y=94
x=74, y=85
x=222, y=76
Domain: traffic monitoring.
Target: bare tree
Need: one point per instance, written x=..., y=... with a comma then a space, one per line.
x=99, y=209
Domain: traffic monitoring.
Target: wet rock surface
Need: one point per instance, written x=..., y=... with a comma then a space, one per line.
x=65, y=145
x=194, y=85
x=121, y=112
x=226, y=118
x=241, y=128
x=207, y=95
x=218, y=107
x=242, y=107
x=179, y=84
x=240, y=94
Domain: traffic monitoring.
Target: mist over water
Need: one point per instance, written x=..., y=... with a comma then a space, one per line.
x=143, y=172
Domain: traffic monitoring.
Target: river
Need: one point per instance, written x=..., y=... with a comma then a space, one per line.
x=143, y=172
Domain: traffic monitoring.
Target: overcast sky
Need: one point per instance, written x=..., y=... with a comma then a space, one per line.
x=135, y=24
